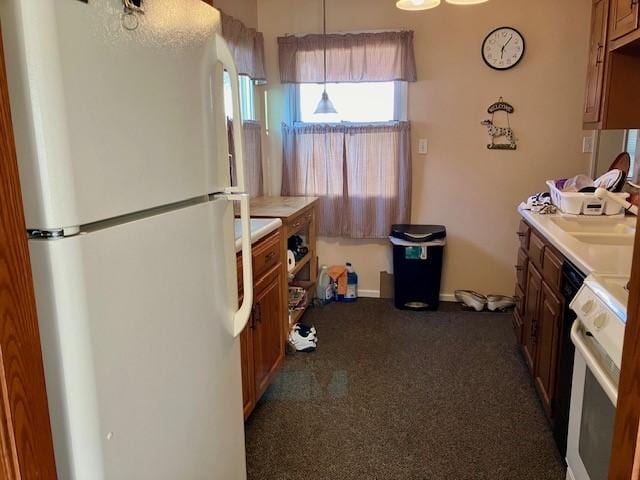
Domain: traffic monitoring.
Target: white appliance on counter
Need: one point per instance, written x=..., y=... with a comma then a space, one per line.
x=598, y=334
x=121, y=137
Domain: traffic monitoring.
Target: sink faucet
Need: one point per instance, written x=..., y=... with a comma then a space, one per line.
x=603, y=194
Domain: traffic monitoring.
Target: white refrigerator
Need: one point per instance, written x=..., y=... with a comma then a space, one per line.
x=119, y=123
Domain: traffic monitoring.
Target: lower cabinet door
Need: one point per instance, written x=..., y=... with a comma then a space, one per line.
x=547, y=346
x=246, y=359
x=530, y=327
x=268, y=347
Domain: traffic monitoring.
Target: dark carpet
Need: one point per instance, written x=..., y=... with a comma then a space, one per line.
x=403, y=395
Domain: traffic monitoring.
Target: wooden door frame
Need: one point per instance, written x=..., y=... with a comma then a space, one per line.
x=26, y=447
x=625, y=456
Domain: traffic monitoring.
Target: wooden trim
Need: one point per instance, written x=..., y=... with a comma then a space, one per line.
x=26, y=446
x=628, y=411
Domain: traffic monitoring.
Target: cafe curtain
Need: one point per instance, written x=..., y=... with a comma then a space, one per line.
x=362, y=174
x=351, y=57
x=252, y=140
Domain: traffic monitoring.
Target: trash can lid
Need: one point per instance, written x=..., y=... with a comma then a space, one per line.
x=418, y=233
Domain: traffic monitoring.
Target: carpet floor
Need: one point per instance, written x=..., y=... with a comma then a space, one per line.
x=399, y=395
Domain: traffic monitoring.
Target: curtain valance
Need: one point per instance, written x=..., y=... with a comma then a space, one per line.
x=247, y=46
x=351, y=57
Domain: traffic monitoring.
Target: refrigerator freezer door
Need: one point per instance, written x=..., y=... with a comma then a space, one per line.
x=111, y=121
x=142, y=369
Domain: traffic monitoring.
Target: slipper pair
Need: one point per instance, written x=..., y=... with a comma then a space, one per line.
x=478, y=302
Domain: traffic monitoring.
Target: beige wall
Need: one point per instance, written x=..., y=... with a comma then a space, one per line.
x=461, y=184
x=244, y=10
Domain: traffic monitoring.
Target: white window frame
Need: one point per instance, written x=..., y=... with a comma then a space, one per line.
x=635, y=159
x=400, y=103
x=246, y=88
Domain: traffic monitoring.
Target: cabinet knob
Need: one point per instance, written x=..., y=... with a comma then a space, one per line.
x=587, y=307
x=600, y=321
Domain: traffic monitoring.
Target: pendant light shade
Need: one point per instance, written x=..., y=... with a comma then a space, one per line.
x=325, y=105
x=465, y=2
x=414, y=5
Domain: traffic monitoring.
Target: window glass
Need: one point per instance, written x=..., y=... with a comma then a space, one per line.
x=247, y=97
x=632, y=148
x=355, y=102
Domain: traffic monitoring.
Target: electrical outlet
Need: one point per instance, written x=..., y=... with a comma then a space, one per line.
x=423, y=146
x=587, y=144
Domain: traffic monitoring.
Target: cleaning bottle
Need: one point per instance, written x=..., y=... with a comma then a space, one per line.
x=352, y=285
x=324, y=291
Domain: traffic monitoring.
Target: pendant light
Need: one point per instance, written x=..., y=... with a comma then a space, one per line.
x=325, y=105
x=414, y=5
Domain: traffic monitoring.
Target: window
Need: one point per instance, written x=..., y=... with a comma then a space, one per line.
x=632, y=149
x=247, y=97
x=365, y=102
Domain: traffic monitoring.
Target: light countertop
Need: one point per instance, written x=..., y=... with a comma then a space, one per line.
x=590, y=258
x=282, y=207
x=260, y=228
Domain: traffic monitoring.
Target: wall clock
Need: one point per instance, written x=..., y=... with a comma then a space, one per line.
x=503, y=48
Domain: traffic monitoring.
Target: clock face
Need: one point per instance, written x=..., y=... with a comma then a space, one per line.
x=503, y=48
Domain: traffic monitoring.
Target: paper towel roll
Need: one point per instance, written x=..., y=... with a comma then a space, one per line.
x=291, y=260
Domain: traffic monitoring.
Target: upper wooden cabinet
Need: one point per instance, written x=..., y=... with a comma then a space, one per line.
x=613, y=71
x=624, y=18
x=595, y=66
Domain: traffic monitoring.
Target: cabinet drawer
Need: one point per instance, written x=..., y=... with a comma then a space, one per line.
x=552, y=268
x=266, y=254
x=536, y=249
x=300, y=222
x=523, y=234
x=521, y=268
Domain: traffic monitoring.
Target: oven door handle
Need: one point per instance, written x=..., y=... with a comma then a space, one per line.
x=592, y=362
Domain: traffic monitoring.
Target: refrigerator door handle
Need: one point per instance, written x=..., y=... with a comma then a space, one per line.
x=225, y=57
x=242, y=315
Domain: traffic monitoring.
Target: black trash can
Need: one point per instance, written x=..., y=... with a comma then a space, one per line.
x=417, y=265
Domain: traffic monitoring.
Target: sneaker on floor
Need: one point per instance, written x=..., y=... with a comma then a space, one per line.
x=500, y=302
x=471, y=299
x=305, y=329
x=302, y=343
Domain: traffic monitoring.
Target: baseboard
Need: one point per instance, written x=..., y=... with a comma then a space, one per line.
x=444, y=297
x=369, y=293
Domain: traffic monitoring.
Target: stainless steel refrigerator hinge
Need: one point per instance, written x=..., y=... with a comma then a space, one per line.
x=53, y=233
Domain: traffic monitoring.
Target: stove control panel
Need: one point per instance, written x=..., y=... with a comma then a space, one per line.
x=599, y=320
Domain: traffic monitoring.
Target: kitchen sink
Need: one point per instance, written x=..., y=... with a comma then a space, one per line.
x=605, y=238
x=597, y=225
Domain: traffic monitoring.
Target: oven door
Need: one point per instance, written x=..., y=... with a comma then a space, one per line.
x=593, y=407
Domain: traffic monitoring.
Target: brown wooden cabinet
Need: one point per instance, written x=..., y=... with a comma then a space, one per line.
x=268, y=348
x=261, y=344
x=613, y=72
x=530, y=328
x=538, y=313
x=624, y=18
x=595, y=65
x=549, y=319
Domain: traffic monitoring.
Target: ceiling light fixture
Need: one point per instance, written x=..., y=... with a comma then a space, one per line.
x=465, y=2
x=414, y=5
x=325, y=105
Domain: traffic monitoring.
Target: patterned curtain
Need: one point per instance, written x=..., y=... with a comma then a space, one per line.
x=247, y=46
x=362, y=174
x=253, y=174
x=351, y=57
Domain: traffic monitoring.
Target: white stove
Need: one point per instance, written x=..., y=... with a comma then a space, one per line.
x=598, y=334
